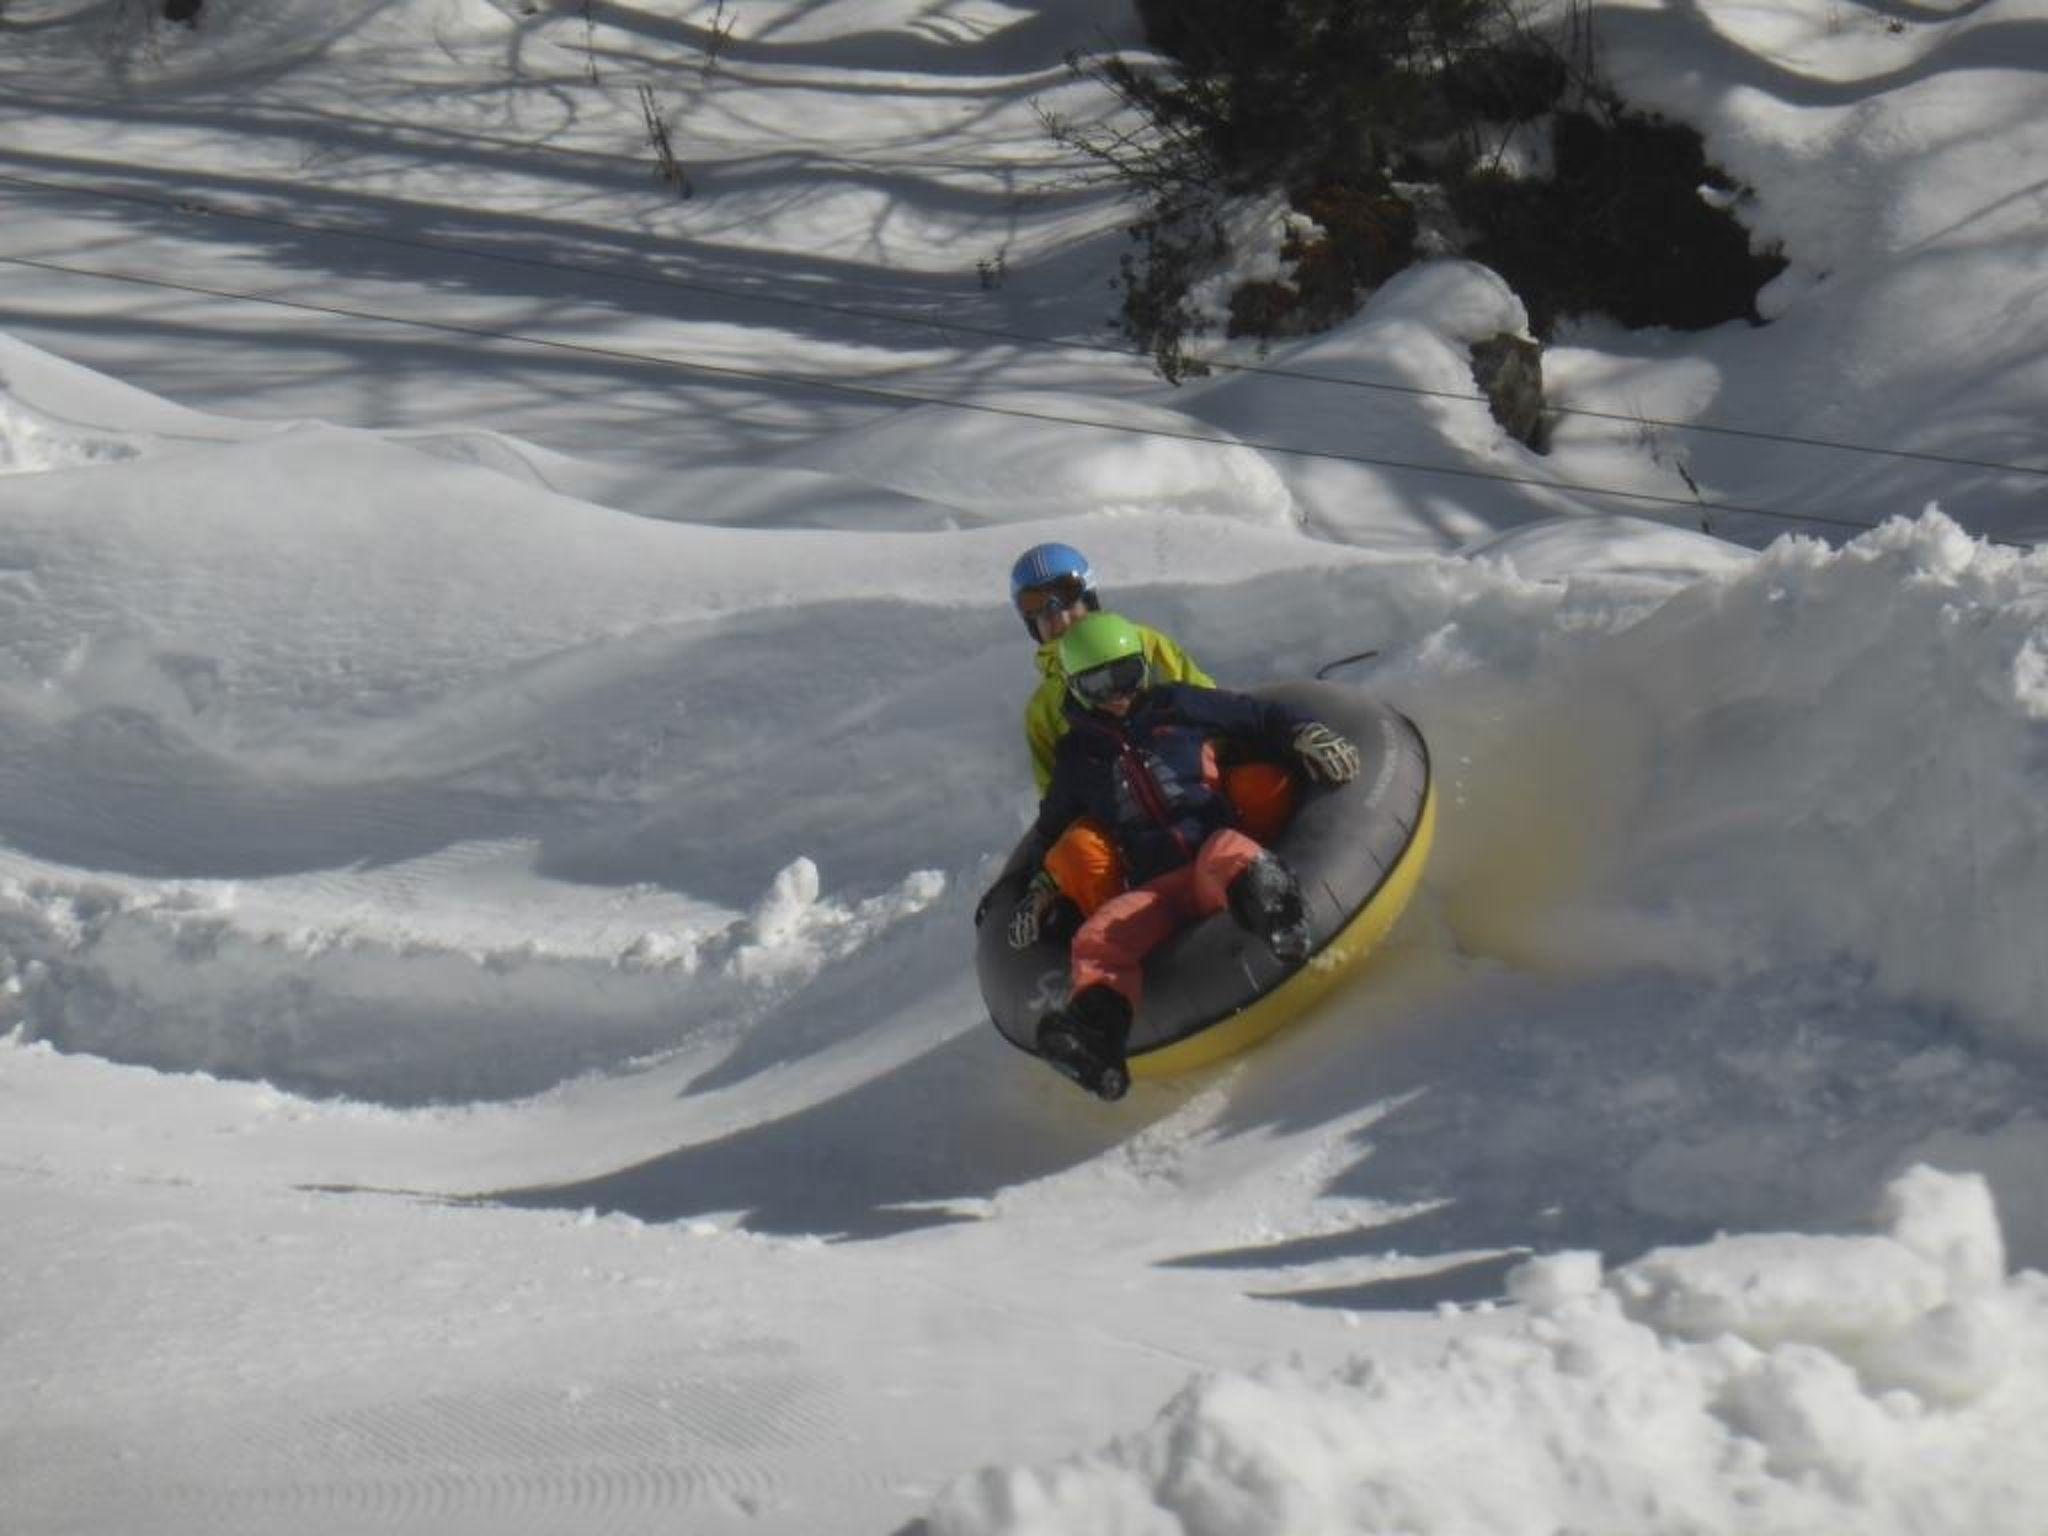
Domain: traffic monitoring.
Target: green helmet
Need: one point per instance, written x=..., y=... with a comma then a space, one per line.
x=1103, y=656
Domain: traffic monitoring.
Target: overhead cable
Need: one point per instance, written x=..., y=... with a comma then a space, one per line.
x=986, y=333
x=837, y=385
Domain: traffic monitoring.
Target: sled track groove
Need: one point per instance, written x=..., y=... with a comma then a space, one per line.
x=624, y=1497
x=777, y=1412
x=618, y=1457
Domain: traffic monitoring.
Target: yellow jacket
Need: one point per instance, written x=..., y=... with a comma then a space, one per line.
x=1045, y=721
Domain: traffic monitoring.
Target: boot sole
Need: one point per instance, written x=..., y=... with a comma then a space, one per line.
x=1067, y=1055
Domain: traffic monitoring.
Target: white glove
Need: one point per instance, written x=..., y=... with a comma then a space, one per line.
x=1328, y=757
x=1028, y=918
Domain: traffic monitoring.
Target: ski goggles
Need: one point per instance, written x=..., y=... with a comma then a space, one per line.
x=1055, y=597
x=1113, y=680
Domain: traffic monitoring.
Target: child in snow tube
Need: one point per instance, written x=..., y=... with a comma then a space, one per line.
x=1142, y=758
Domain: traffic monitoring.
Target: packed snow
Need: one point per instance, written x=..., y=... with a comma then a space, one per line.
x=509, y=701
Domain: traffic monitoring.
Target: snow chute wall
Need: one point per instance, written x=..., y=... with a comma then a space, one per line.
x=1358, y=850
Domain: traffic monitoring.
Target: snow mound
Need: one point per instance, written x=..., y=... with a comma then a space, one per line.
x=1822, y=756
x=1767, y=1382
x=54, y=414
x=1021, y=455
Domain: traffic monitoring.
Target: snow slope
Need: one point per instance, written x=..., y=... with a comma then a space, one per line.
x=488, y=828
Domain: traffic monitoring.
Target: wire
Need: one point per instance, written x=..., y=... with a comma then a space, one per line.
x=905, y=397
x=1344, y=661
x=995, y=333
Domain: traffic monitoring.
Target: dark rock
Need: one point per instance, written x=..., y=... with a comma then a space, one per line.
x=1509, y=369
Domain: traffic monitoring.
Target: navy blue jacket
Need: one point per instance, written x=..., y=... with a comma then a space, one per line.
x=1147, y=777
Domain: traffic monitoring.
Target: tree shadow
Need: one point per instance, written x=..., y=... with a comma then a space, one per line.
x=1990, y=45
x=932, y=43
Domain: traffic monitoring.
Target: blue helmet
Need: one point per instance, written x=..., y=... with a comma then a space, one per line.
x=1045, y=566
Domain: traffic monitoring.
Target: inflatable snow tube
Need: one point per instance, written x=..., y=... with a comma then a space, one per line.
x=1358, y=850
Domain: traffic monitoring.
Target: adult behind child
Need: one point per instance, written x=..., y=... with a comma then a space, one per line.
x=1052, y=587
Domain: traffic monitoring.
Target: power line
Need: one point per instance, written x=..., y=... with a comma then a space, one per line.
x=996, y=333
x=905, y=397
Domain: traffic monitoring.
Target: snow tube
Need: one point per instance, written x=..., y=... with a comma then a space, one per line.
x=1213, y=989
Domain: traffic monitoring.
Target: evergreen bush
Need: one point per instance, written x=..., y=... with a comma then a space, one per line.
x=1352, y=106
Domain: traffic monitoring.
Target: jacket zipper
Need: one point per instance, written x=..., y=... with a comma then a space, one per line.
x=1147, y=790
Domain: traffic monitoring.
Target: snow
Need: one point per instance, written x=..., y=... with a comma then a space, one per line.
x=508, y=704
x=1772, y=1383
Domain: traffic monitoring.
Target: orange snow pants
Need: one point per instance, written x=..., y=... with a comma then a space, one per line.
x=1111, y=947
x=1085, y=862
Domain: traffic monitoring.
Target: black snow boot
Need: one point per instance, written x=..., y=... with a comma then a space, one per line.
x=1085, y=1040
x=1266, y=901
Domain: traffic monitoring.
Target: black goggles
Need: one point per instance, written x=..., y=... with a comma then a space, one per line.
x=1112, y=680
x=1056, y=597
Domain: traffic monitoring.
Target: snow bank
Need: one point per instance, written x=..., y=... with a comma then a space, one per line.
x=1761, y=1383
x=56, y=414
x=1820, y=757
x=1025, y=455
